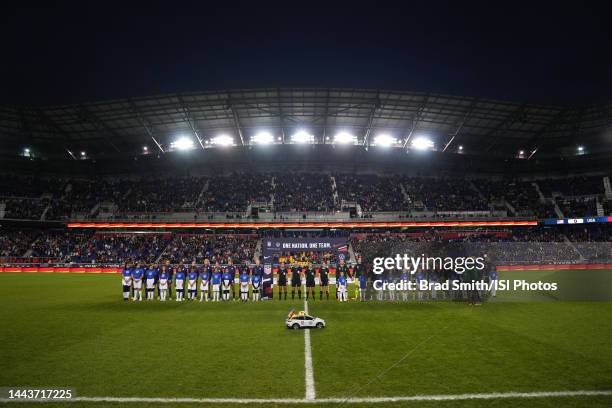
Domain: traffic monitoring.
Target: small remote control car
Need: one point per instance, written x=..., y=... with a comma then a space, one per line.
x=300, y=320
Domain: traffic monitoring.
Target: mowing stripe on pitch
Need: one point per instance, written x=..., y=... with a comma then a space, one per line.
x=365, y=400
x=309, y=375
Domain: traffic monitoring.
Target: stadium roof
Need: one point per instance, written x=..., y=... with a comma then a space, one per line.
x=478, y=125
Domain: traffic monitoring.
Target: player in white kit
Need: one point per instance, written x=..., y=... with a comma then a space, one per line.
x=163, y=283
x=137, y=277
x=126, y=280
x=244, y=283
x=179, y=283
x=151, y=278
x=205, y=281
x=216, y=283
x=256, y=282
x=342, y=287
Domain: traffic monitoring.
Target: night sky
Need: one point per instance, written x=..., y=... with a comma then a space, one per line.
x=520, y=52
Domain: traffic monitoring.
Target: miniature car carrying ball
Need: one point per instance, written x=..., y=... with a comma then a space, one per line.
x=300, y=320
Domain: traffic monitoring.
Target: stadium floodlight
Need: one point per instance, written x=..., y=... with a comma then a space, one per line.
x=384, y=140
x=422, y=143
x=222, y=140
x=182, y=143
x=262, y=138
x=345, y=138
x=302, y=137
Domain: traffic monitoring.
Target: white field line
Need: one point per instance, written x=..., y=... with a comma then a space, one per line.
x=365, y=400
x=309, y=374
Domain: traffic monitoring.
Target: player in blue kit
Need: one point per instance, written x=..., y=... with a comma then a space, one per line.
x=151, y=277
x=205, y=281
x=216, y=283
x=231, y=270
x=179, y=282
x=162, y=285
x=244, y=283
x=192, y=282
x=137, y=276
x=126, y=280
x=342, y=287
x=227, y=281
x=256, y=282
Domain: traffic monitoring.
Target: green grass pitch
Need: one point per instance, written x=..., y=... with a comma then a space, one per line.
x=74, y=330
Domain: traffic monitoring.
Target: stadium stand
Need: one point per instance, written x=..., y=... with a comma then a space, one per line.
x=517, y=245
x=372, y=192
x=572, y=186
x=235, y=192
x=303, y=192
x=187, y=248
x=62, y=199
x=446, y=195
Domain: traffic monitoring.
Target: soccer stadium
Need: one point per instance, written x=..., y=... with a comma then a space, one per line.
x=152, y=247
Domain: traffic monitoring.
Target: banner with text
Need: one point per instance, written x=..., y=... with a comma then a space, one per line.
x=272, y=246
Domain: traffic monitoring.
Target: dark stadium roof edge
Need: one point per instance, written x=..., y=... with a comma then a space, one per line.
x=246, y=117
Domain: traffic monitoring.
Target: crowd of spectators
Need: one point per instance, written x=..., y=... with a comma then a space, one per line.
x=372, y=192
x=517, y=246
x=445, y=195
x=161, y=195
x=27, y=197
x=303, y=192
x=187, y=248
x=98, y=248
x=15, y=243
x=522, y=196
x=233, y=193
x=572, y=186
x=29, y=186
x=24, y=208
x=577, y=206
x=555, y=244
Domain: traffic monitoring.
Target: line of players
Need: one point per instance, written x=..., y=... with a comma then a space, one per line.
x=220, y=279
x=215, y=282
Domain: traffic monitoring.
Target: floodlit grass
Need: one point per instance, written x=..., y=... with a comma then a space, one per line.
x=74, y=330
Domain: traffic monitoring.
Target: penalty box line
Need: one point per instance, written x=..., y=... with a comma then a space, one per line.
x=352, y=400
